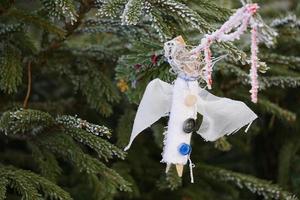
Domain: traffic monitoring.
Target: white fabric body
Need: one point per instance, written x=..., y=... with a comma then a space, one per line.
x=221, y=116
x=179, y=113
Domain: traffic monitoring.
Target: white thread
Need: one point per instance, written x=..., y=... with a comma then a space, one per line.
x=217, y=59
x=248, y=127
x=191, y=165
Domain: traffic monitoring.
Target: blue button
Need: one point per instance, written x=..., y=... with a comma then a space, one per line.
x=184, y=149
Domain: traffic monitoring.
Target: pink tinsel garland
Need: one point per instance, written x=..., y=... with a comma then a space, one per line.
x=208, y=61
x=240, y=20
x=254, y=64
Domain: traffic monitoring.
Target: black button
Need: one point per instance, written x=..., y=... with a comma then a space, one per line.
x=189, y=125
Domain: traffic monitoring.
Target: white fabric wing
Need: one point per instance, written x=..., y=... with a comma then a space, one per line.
x=221, y=116
x=155, y=104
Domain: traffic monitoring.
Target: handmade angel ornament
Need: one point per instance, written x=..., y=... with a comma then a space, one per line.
x=185, y=98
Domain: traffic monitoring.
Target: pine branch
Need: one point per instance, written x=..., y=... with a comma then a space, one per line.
x=254, y=185
x=62, y=145
x=189, y=16
x=170, y=180
x=160, y=26
x=99, y=92
x=70, y=29
x=279, y=81
x=111, y=8
x=183, y=12
x=95, y=52
x=58, y=144
x=33, y=122
x=28, y=185
x=289, y=20
x=233, y=52
x=132, y=12
x=3, y=184
x=264, y=82
x=276, y=110
x=286, y=156
x=7, y=29
x=77, y=123
x=269, y=107
x=292, y=62
x=111, y=26
x=25, y=122
x=36, y=20
x=23, y=186
x=5, y=5
x=88, y=133
x=123, y=129
x=102, y=147
x=222, y=144
x=25, y=43
x=210, y=10
x=10, y=69
x=60, y=9
x=46, y=162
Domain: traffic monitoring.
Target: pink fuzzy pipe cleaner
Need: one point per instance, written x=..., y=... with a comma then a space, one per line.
x=239, y=21
x=254, y=64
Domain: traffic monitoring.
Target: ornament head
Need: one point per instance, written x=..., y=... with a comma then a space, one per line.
x=183, y=62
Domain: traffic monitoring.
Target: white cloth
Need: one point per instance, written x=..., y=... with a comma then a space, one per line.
x=156, y=103
x=221, y=116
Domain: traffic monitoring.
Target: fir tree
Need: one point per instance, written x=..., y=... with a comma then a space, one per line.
x=64, y=60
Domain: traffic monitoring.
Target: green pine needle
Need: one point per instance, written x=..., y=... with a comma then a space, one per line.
x=255, y=185
x=10, y=70
x=29, y=184
x=37, y=20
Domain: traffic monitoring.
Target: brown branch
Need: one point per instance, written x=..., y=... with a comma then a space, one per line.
x=5, y=8
x=25, y=104
x=84, y=8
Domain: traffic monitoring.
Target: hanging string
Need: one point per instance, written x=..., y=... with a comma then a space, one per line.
x=246, y=130
x=191, y=165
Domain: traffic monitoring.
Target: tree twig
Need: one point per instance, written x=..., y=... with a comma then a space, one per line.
x=25, y=104
x=85, y=7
